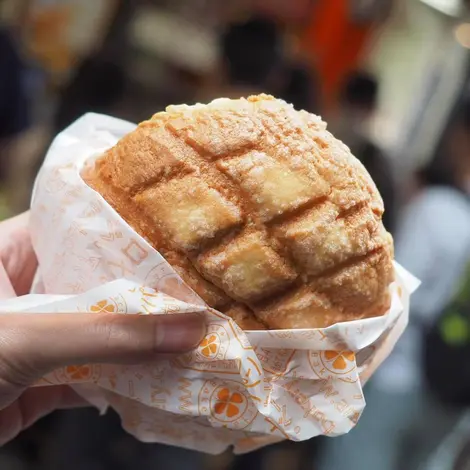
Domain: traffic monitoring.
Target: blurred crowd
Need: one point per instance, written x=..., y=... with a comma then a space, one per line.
x=260, y=48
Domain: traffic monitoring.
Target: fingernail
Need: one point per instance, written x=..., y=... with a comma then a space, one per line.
x=179, y=332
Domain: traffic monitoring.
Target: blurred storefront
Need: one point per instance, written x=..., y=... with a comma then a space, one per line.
x=422, y=69
x=338, y=37
x=403, y=41
x=57, y=33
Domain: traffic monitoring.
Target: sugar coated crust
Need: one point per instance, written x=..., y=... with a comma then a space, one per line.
x=260, y=210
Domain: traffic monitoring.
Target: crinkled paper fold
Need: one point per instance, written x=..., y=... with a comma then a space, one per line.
x=245, y=389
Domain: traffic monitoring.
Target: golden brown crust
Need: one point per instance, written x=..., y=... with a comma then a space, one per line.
x=259, y=209
x=244, y=317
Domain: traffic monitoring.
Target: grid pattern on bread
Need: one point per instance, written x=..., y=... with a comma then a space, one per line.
x=259, y=209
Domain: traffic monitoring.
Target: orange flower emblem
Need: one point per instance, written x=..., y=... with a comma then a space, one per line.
x=78, y=372
x=103, y=307
x=228, y=404
x=339, y=359
x=209, y=346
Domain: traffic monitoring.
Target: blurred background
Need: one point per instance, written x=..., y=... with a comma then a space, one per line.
x=392, y=79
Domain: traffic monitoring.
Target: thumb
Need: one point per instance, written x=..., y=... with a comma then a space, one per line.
x=34, y=344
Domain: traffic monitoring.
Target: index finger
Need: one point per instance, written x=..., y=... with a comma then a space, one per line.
x=6, y=289
x=17, y=254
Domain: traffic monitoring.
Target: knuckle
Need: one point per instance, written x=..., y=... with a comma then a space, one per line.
x=110, y=330
x=16, y=374
x=126, y=337
x=17, y=370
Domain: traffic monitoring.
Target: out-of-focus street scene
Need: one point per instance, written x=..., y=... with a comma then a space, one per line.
x=392, y=80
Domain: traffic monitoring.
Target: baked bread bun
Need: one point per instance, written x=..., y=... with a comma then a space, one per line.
x=259, y=209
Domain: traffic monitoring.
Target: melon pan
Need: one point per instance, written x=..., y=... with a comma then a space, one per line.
x=260, y=210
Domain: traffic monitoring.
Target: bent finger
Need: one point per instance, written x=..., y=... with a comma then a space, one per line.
x=34, y=404
x=37, y=343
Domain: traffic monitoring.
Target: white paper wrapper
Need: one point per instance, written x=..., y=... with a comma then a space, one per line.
x=245, y=389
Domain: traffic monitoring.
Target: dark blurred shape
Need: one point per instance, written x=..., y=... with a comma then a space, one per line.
x=463, y=458
x=359, y=101
x=96, y=87
x=446, y=342
x=294, y=13
x=451, y=163
x=459, y=144
x=381, y=172
x=88, y=441
x=254, y=60
x=436, y=173
x=447, y=339
x=14, y=103
x=285, y=455
x=100, y=79
x=301, y=86
x=363, y=11
x=361, y=91
x=252, y=51
x=13, y=100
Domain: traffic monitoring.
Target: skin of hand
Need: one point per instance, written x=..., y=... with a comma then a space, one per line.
x=32, y=345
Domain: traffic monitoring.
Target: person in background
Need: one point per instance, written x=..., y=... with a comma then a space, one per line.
x=253, y=61
x=433, y=240
x=250, y=60
x=300, y=87
x=97, y=86
x=14, y=106
x=402, y=423
x=358, y=104
x=99, y=81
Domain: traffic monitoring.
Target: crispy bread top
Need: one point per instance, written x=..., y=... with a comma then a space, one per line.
x=258, y=207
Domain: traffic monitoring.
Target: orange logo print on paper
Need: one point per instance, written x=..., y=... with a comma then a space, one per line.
x=331, y=363
x=340, y=362
x=212, y=349
x=209, y=346
x=103, y=306
x=115, y=304
x=229, y=405
x=78, y=373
